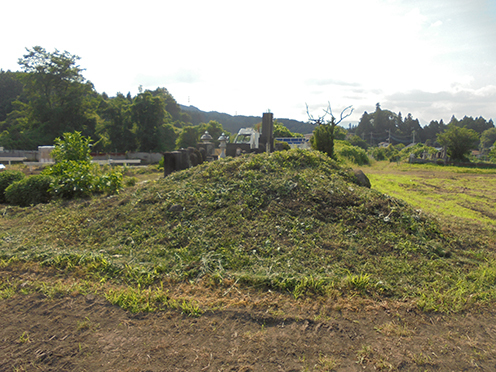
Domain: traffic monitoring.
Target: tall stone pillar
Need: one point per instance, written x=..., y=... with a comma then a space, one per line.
x=267, y=136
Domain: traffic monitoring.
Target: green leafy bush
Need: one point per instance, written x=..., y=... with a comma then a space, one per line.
x=8, y=177
x=284, y=146
x=354, y=154
x=492, y=153
x=74, y=175
x=384, y=153
x=72, y=179
x=110, y=183
x=74, y=146
x=323, y=139
x=29, y=190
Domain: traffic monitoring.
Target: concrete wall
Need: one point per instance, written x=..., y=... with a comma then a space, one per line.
x=30, y=155
x=33, y=156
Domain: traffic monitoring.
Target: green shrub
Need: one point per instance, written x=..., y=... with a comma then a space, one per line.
x=74, y=175
x=73, y=179
x=354, y=154
x=492, y=153
x=29, y=190
x=284, y=146
x=323, y=139
x=74, y=146
x=8, y=177
x=384, y=153
x=110, y=183
x=418, y=150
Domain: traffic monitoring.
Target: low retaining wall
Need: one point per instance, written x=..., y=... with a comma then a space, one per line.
x=452, y=163
x=145, y=157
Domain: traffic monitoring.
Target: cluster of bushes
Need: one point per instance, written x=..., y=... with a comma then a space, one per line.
x=72, y=176
x=400, y=152
x=75, y=181
x=354, y=152
x=384, y=153
x=24, y=191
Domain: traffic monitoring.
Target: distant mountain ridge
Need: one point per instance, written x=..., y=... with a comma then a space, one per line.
x=234, y=123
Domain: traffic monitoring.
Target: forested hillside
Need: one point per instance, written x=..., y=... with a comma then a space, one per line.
x=49, y=96
x=234, y=123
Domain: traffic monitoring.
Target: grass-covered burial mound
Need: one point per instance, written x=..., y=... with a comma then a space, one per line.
x=292, y=221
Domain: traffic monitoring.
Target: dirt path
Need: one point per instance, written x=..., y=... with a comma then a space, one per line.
x=89, y=334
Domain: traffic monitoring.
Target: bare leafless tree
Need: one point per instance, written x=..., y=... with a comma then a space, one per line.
x=328, y=111
x=323, y=135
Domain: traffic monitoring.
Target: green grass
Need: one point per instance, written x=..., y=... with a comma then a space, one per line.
x=293, y=222
x=448, y=191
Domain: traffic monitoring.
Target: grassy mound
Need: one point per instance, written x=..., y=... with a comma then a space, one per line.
x=290, y=221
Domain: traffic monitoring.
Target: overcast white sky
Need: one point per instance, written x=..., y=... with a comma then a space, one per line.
x=430, y=58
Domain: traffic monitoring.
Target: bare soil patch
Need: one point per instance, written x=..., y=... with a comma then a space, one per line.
x=86, y=333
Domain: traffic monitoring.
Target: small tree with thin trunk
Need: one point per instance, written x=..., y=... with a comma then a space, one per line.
x=323, y=136
x=458, y=142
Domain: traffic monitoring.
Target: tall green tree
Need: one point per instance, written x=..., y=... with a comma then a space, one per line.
x=14, y=125
x=140, y=123
x=365, y=126
x=117, y=130
x=188, y=137
x=433, y=129
x=60, y=98
x=410, y=125
x=148, y=114
x=458, y=141
x=10, y=91
x=179, y=117
x=379, y=125
x=492, y=153
x=488, y=137
x=478, y=124
x=169, y=134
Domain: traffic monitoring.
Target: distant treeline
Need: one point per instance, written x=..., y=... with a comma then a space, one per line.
x=49, y=96
x=384, y=125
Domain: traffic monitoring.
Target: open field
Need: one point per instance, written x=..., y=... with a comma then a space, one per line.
x=452, y=192
x=314, y=274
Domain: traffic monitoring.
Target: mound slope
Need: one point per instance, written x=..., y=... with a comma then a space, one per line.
x=293, y=221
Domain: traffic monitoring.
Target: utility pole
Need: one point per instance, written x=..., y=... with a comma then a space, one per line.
x=413, y=133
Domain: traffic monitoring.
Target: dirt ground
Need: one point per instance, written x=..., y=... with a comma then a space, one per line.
x=86, y=333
